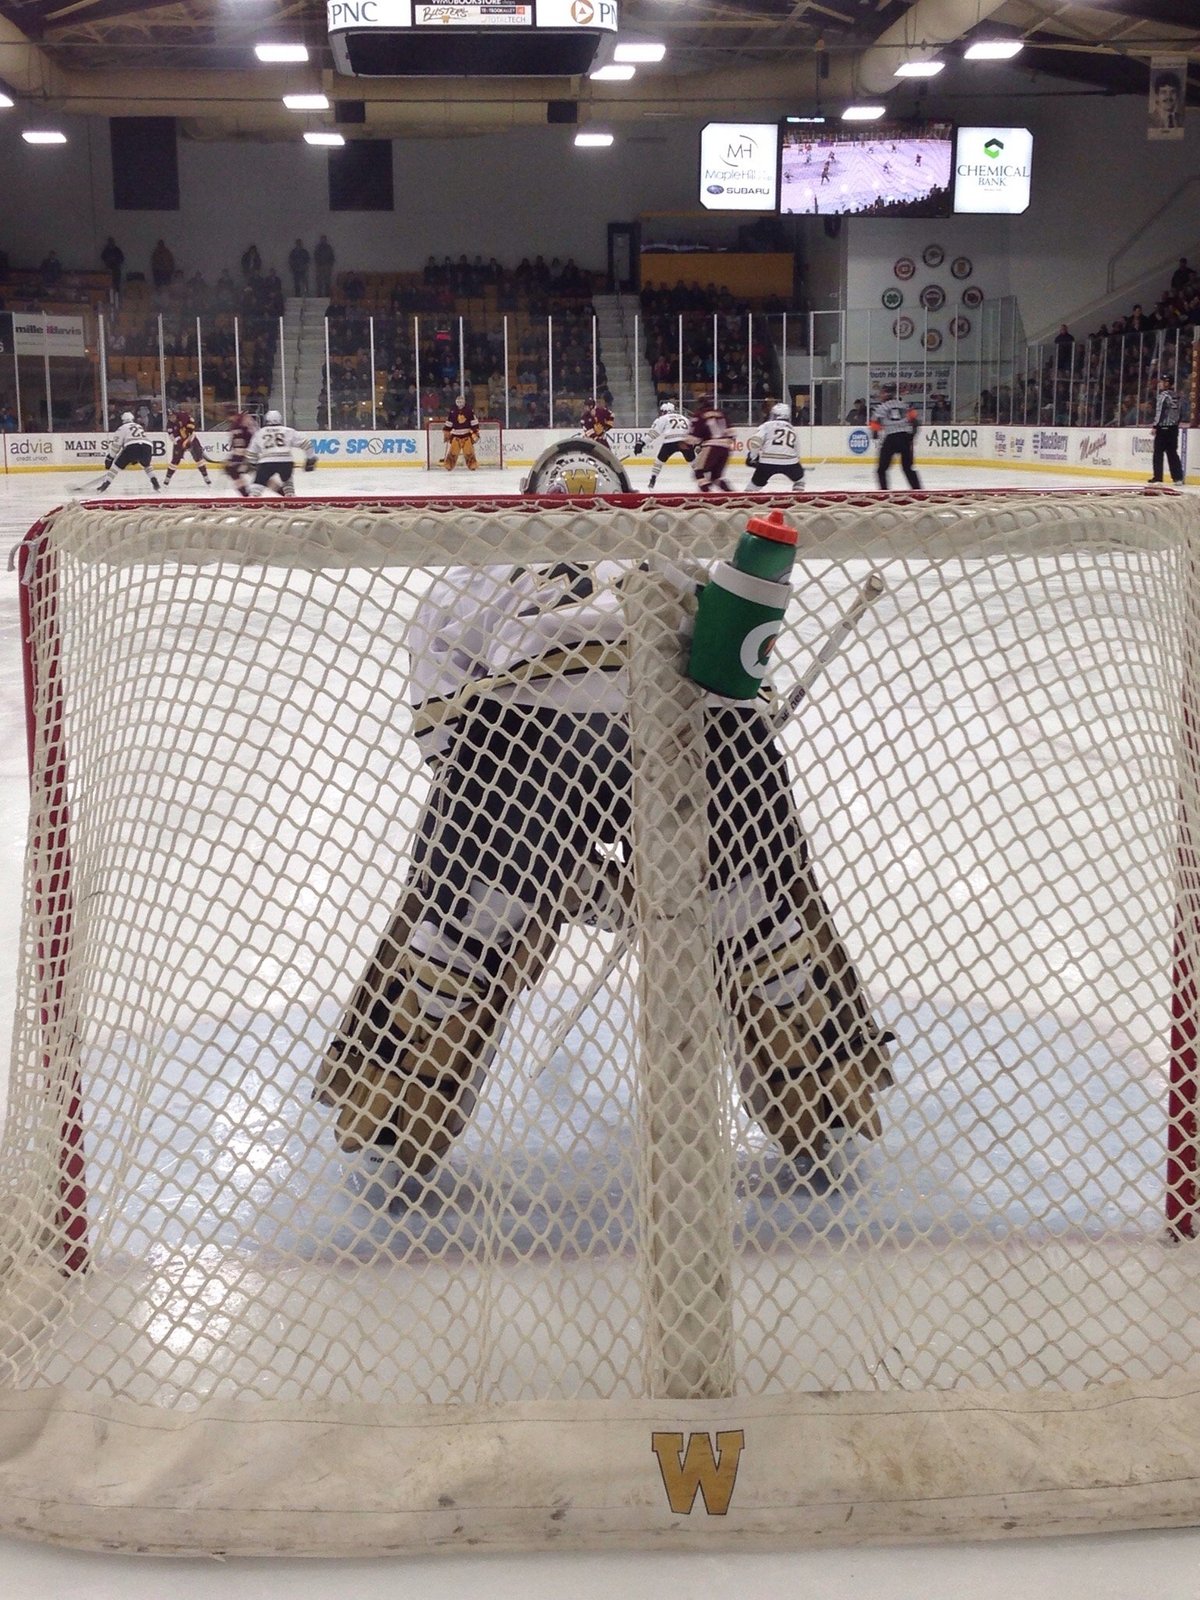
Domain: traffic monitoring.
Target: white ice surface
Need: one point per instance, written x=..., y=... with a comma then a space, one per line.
x=1114, y=1567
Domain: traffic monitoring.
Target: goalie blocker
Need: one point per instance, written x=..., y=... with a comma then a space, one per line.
x=519, y=704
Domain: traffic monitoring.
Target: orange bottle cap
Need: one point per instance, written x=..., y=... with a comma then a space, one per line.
x=773, y=526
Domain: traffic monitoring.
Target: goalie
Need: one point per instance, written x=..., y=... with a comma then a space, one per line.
x=460, y=432
x=520, y=691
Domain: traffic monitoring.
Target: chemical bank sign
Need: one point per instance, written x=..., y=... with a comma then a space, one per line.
x=992, y=168
x=738, y=166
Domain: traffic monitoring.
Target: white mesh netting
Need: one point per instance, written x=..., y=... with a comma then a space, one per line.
x=469, y=1085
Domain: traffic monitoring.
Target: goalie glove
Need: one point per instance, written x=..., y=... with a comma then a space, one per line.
x=474, y=435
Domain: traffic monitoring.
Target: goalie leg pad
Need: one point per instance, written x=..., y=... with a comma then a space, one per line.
x=404, y=1069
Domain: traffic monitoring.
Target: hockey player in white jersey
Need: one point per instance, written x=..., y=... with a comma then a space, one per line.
x=129, y=448
x=775, y=448
x=519, y=690
x=666, y=438
x=271, y=455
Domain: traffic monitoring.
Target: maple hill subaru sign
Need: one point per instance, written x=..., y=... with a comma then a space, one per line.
x=992, y=170
x=738, y=166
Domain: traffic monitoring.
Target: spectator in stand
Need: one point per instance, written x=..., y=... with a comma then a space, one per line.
x=298, y=262
x=1182, y=276
x=857, y=413
x=8, y=420
x=113, y=258
x=323, y=259
x=1064, y=339
x=251, y=262
x=162, y=265
x=51, y=270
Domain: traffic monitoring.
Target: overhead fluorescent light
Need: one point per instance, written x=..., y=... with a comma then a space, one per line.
x=863, y=113
x=43, y=136
x=639, y=52
x=5, y=103
x=613, y=73
x=805, y=119
x=993, y=49
x=597, y=141
x=324, y=138
x=281, y=52
x=919, y=69
x=306, y=102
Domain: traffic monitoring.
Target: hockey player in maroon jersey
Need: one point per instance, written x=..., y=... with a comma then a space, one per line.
x=242, y=428
x=596, y=420
x=460, y=431
x=710, y=432
x=182, y=427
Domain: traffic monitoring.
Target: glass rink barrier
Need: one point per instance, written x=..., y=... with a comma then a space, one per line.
x=360, y=365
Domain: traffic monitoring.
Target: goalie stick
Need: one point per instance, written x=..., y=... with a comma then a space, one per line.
x=869, y=591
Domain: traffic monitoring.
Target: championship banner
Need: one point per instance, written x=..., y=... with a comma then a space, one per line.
x=1167, y=103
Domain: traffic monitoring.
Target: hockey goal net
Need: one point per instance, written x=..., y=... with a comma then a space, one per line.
x=489, y=447
x=624, y=1286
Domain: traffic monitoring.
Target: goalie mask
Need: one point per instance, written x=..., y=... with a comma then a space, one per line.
x=581, y=467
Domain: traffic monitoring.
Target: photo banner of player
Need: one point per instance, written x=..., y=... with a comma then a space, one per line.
x=738, y=166
x=993, y=170
x=1167, y=102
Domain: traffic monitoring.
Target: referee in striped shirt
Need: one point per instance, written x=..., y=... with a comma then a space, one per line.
x=1166, y=432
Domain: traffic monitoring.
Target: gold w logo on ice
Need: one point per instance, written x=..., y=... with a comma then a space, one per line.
x=698, y=1470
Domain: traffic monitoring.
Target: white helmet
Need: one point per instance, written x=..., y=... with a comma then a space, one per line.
x=782, y=412
x=667, y=405
x=272, y=419
x=127, y=416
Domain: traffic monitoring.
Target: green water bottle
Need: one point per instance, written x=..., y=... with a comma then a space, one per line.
x=741, y=609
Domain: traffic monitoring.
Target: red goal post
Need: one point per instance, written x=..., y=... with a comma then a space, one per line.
x=489, y=447
x=999, y=785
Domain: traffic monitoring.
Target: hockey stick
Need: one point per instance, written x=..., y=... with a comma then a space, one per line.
x=866, y=597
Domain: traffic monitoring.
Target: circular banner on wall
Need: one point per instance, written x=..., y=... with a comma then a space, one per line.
x=972, y=295
x=962, y=267
x=960, y=327
x=932, y=339
x=933, y=255
x=893, y=299
x=904, y=268
x=904, y=327
x=933, y=297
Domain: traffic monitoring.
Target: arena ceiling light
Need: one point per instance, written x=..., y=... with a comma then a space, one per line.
x=319, y=137
x=281, y=52
x=863, y=113
x=306, y=102
x=43, y=136
x=593, y=141
x=639, y=53
x=993, y=50
x=6, y=102
x=613, y=73
x=919, y=69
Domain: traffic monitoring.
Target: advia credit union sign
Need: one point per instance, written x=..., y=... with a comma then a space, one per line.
x=738, y=165
x=992, y=170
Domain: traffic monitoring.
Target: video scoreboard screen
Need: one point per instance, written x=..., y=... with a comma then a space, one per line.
x=876, y=170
